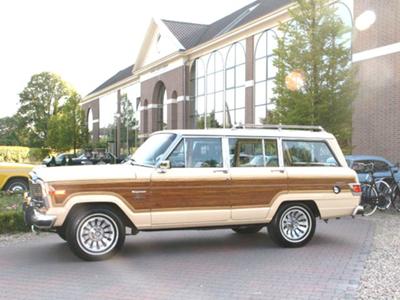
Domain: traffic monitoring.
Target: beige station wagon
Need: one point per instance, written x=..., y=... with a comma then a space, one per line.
x=282, y=178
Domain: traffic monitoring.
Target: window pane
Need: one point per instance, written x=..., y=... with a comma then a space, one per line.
x=199, y=68
x=210, y=103
x=271, y=153
x=219, y=63
x=200, y=109
x=272, y=70
x=260, y=93
x=230, y=60
x=230, y=78
x=210, y=83
x=219, y=120
x=261, y=69
x=240, y=53
x=270, y=90
x=240, y=97
x=304, y=153
x=177, y=157
x=219, y=101
x=272, y=42
x=230, y=99
x=219, y=81
x=204, y=153
x=240, y=115
x=260, y=114
x=210, y=64
x=200, y=86
x=246, y=153
x=261, y=50
x=240, y=75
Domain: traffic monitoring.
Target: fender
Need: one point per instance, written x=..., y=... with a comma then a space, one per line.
x=140, y=218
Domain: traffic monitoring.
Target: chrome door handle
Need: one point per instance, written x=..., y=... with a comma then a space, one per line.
x=278, y=171
x=221, y=171
x=137, y=192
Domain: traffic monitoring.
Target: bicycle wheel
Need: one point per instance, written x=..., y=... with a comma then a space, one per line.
x=369, y=199
x=396, y=197
x=384, y=194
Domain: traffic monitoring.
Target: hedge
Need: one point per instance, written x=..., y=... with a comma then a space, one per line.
x=11, y=215
x=22, y=154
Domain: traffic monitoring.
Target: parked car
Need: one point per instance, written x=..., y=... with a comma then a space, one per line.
x=186, y=179
x=96, y=158
x=62, y=159
x=14, y=177
x=381, y=166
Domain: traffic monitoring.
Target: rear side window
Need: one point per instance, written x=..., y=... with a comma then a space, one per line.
x=253, y=153
x=308, y=153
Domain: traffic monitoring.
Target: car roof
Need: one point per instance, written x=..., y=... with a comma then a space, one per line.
x=366, y=157
x=284, y=133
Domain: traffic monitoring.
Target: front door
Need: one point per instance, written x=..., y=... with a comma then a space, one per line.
x=257, y=177
x=193, y=190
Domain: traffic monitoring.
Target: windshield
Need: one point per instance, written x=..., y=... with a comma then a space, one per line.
x=153, y=149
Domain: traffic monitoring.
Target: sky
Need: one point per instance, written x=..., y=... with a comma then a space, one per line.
x=83, y=41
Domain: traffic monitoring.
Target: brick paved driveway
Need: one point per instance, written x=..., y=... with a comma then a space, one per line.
x=193, y=265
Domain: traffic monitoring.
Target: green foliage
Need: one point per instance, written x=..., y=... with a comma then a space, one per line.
x=22, y=154
x=9, y=131
x=40, y=100
x=11, y=215
x=67, y=129
x=313, y=43
x=129, y=132
x=211, y=121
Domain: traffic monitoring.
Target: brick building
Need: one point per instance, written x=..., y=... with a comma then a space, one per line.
x=216, y=75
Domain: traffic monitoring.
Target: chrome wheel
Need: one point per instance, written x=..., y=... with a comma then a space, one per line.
x=295, y=224
x=97, y=234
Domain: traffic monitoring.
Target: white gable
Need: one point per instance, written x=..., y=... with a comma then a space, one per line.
x=159, y=42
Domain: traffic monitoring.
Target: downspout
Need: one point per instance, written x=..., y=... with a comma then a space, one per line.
x=185, y=120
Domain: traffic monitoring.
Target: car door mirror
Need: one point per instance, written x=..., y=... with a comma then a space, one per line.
x=164, y=165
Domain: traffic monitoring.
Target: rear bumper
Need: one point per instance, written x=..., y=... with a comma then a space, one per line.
x=33, y=217
x=359, y=210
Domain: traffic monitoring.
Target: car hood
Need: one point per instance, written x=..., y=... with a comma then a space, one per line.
x=88, y=173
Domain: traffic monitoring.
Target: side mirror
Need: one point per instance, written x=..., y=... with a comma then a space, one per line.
x=164, y=165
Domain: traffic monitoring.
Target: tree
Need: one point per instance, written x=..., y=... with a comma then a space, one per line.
x=128, y=118
x=9, y=132
x=314, y=53
x=39, y=101
x=67, y=129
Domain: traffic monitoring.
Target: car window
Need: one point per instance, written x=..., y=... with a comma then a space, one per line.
x=197, y=153
x=246, y=153
x=308, y=153
x=249, y=153
x=380, y=166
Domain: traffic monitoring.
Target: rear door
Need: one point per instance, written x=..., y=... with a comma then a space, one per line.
x=257, y=177
x=194, y=190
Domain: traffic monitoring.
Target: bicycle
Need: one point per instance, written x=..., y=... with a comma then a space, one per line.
x=395, y=189
x=375, y=194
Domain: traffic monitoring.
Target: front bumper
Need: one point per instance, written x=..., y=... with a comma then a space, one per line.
x=33, y=217
x=359, y=210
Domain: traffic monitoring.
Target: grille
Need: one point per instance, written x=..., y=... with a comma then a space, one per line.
x=35, y=190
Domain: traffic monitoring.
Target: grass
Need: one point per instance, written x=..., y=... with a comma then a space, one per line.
x=11, y=214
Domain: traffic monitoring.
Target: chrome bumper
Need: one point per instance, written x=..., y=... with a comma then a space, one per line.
x=359, y=210
x=33, y=217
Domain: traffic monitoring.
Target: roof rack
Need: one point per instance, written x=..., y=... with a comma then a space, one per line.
x=279, y=127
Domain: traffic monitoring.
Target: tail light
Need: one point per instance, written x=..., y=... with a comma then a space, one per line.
x=355, y=188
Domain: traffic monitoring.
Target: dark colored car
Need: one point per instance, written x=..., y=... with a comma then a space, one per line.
x=60, y=160
x=381, y=165
x=96, y=158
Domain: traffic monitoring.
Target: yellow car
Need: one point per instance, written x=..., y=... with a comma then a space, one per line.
x=14, y=177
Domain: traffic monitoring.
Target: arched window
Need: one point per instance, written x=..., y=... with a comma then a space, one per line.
x=89, y=121
x=160, y=98
x=215, y=91
x=199, y=92
x=145, y=119
x=235, y=74
x=264, y=74
x=344, y=9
